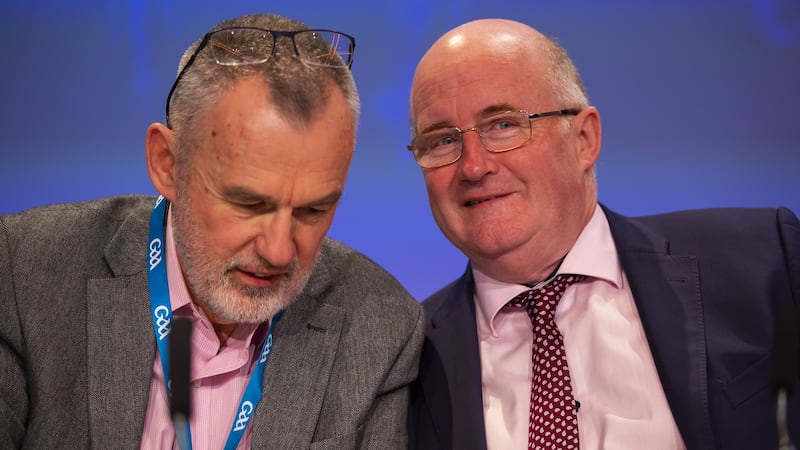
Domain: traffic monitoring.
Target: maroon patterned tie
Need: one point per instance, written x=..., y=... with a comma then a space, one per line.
x=553, y=422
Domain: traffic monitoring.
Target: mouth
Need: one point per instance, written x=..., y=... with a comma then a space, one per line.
x=478, y=201
x=263, y=279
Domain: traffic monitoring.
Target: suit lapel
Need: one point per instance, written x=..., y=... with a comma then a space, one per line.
x=297, y=375
x=119, y=359
x=666, y=289
x=451, y=372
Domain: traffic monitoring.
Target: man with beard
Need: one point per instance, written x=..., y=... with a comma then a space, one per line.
x=298, y=340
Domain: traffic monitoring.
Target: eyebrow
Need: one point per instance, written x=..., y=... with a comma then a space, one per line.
x=487, y=111
x=244, y=195
x=330, y=199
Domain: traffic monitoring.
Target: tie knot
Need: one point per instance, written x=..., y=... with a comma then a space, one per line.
x=542, y=301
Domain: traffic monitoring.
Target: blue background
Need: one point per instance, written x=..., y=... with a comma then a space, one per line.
x=699, y=103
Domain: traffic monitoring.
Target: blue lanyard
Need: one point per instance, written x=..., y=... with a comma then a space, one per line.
x=161, y=310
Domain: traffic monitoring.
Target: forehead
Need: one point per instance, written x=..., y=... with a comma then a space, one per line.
x=247, y=139
x=246, y=110
x=460, y=82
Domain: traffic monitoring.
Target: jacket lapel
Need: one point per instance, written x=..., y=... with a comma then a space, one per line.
x=451, y=372
x=666, y=288
x=297, y=375
x=119, y=360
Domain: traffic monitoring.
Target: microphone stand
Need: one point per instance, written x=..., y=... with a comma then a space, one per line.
x=180, y=347
x=785, y=360
x=784, y=440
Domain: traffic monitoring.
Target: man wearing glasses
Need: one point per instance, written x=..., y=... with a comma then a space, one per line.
x=297, y=342
x=574, y=326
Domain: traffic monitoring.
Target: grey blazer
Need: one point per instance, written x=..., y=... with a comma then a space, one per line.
x=77, y=345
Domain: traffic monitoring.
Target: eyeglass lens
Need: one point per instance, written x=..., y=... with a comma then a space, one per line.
x=499, y=132
x=253, y=46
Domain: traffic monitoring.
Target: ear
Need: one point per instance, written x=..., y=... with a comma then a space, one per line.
x=159, y=147
x=588, y=129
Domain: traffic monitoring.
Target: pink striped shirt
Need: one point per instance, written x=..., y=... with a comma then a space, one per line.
x=614, y=378
x=219, y=375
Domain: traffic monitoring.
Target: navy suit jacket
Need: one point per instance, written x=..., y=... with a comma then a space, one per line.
x=707, y=285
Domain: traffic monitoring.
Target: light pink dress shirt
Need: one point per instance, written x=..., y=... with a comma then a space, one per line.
x=622, y=403
x=219, y=375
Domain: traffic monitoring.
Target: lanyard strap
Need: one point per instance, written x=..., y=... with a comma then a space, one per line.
x=161, y=310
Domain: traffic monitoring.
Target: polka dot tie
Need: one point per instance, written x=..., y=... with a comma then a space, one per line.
x=553, y=422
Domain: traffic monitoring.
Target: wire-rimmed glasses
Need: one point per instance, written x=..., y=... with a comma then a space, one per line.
x=498, y=133
x=235, y=46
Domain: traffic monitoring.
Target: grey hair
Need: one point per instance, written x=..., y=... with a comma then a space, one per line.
x=298, y=90
x=564, y=78
x=567, y=85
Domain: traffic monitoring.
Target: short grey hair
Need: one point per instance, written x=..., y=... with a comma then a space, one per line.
x=298, y=90
x=564, y=78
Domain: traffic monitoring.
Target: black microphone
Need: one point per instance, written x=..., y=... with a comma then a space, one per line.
x=785, y=361
x=180, y=356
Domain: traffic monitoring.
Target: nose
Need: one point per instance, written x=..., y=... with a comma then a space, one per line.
x=275, y=239
x=475, y=162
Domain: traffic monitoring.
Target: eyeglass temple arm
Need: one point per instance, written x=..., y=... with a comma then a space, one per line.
x=180, y=75
x=560, y=112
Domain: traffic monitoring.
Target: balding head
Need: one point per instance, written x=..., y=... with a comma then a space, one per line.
x=506, y=45
x=488, y=37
